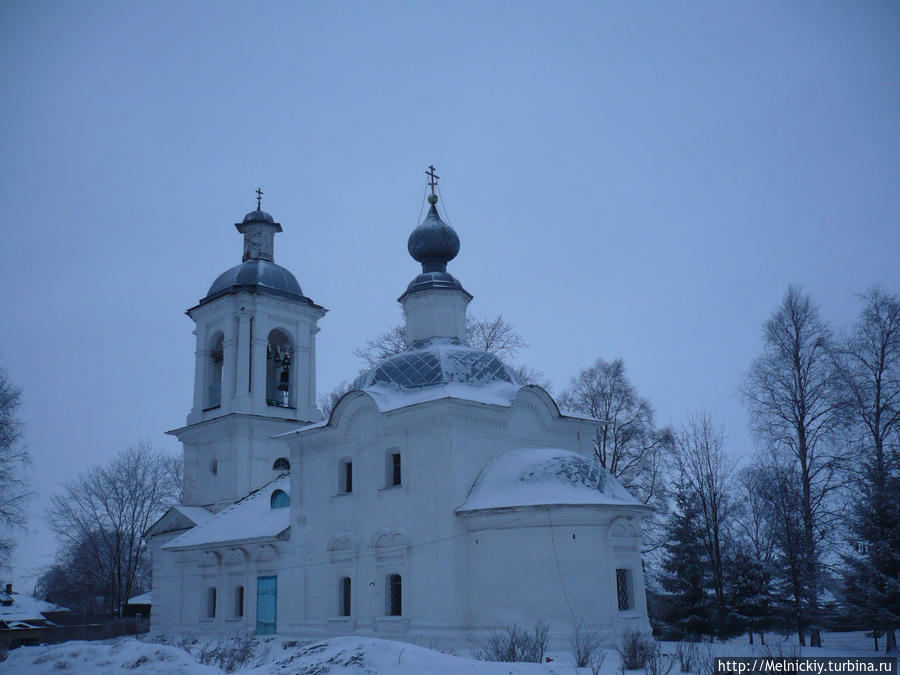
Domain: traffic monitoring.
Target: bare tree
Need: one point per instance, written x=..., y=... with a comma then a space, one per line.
x=708, y=473
x=753, y=524
x=777, y=482
x=497, y=336
x=329, y=400
x=790, y=395
x=103, y=513
x=627, y=442
x=868, y=364
x=14, y=457
x=392, y=341
x=173, y=465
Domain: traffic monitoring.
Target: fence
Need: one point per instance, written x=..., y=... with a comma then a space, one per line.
x=11, y=639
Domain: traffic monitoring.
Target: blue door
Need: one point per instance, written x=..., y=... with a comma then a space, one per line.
x=266, y=601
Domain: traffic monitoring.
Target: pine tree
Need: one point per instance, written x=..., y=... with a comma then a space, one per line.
x=749, y=592
x=872, y=580
x=687, y=606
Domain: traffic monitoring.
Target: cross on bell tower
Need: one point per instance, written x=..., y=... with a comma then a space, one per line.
x=259, y=194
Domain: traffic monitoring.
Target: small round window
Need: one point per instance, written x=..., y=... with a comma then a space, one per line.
x=282, y=464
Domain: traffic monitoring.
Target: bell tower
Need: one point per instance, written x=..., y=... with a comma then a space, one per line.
x=255, y=371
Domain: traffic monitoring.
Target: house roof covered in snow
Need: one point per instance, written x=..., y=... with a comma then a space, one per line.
x=250, y=519
x=142, y=599
x=544, y=477
x=23, y=611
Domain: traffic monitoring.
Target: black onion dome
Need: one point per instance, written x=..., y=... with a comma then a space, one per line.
x=258, y=217
x=255, y=276
x=433, y=241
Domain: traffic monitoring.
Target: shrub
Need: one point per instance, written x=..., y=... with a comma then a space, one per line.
x=595, y=663
x=657, y=664
x=516, y=644
x=687, y=656
x=229, y=655
x=633, y=648
x=585, y=642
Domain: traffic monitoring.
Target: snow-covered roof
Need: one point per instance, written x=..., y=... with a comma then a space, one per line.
x=438, y=361
x=25, y=608
x=251, y=518
x=196, y=513
x=391, y=397
x=544, y=476
x=142, y=599
x=179, y=518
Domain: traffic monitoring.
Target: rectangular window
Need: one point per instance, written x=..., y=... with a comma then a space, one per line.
x=211, y=602
x=345, y=596
x=239, y=601
x=395, y=469
x=348, y=477
x=395, y=595
x=623, y=590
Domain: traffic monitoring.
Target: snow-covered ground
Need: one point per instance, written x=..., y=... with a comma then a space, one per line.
x=285, y=656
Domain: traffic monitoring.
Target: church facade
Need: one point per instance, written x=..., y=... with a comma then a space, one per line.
x=441, y=499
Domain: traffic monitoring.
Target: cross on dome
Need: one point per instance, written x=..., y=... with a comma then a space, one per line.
x=259, y=194
x=432, y=181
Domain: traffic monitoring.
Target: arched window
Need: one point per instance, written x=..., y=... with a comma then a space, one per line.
x=281, y=464
x=393, y=595
x=214, y=371
x=239, y=601
x=280, y=499
x=211, y=602
x=279, y=356
x=344, y=596
x=393, y=476
x=345, y=477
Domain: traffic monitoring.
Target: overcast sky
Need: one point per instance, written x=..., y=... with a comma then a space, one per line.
x=628, y=179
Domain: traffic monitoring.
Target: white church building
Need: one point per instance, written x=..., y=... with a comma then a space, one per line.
x=443, y=497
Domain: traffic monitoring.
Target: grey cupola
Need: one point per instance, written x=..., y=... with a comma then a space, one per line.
x=257, y=272
x=433, y=243
x=434, y=302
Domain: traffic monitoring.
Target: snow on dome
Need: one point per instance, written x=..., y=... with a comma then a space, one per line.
x=438, y=361
x=543, y=477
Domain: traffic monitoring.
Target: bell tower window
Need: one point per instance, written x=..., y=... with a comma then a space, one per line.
x=279, y=357
x=214, y=371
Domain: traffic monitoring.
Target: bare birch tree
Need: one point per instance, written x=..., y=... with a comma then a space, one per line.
x=14, y=457
x=105, y=511
x=790, y=395
x=868, y=363
x=627, y=442
x=708, y=473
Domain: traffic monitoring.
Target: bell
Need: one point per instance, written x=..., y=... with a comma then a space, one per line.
x=284, y=384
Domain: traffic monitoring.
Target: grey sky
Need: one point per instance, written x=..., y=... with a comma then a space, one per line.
x=627, y=179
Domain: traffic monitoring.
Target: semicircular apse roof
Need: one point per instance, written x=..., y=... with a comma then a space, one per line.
x=545, y=477
x=435, y=362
